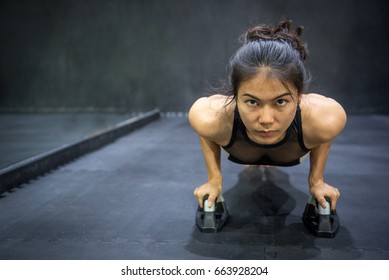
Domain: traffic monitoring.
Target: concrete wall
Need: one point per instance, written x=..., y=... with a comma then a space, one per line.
x=135, y=55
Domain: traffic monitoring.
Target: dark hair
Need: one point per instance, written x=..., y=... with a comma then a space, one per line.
x=276, y=48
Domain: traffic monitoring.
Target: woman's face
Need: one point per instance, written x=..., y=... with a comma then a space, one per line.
x=267, y=107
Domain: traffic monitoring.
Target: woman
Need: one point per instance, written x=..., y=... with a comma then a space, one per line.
x=266, y=117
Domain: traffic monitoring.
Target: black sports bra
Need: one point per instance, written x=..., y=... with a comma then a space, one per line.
x=288, y=152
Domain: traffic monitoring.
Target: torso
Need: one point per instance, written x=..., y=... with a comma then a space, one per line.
x=287, y=152
x=322, y=119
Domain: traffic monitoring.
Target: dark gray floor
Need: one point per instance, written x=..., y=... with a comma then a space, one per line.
x=27, y=135
x=133, y=200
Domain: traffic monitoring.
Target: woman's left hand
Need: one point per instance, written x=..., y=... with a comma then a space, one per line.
x=320, y=190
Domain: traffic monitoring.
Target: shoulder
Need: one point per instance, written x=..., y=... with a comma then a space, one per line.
x=323, y=119
x=212, y=118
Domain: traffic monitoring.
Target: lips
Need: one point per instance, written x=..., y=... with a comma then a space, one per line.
x=266, y=133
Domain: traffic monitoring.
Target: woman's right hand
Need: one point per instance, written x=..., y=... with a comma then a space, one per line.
x=212, y=190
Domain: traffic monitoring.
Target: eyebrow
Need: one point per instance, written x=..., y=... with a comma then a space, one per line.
x=277, y=97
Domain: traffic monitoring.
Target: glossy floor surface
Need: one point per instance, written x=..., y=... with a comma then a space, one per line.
x=132, y=199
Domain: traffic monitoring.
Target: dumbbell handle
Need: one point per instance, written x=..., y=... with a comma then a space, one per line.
x=208, y=209
x=324, y=211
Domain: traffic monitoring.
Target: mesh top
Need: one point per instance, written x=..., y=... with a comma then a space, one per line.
x=288, y=152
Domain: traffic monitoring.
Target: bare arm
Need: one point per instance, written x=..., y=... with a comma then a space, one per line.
x=213, y=187
x=324, y=123
x=211, y=152
x=318, y=188
x=209, y=118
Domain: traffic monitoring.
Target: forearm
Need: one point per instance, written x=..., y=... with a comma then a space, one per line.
x=318, y=188
x=211, y=152
x=318, y=160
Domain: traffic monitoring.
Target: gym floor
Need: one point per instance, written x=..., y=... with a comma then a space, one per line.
x=132, y=199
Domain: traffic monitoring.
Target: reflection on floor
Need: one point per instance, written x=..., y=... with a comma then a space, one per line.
x=26, y=135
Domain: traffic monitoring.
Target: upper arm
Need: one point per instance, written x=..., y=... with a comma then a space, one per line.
x=196, y=117
x=209, y=118
x=325, y=121
x=200, y=118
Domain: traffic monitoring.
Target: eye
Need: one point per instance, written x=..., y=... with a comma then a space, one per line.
x=251, y=102
x=281, y=102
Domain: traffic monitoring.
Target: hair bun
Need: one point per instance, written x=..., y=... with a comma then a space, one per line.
x=282, y=31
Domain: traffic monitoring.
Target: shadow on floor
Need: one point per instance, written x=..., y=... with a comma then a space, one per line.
x=262, y=224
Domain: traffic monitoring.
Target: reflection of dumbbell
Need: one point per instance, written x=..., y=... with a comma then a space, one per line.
x=212, y=219
x=322, y=222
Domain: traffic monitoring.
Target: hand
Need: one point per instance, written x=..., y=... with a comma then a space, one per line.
x=321, y=190
x=212, y=190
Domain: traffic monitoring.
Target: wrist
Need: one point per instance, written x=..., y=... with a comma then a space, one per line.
x=312, y=181
x=215, y=180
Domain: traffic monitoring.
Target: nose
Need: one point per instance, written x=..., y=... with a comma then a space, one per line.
x=266, y=116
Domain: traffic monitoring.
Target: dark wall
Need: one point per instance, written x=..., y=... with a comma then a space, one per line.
x=136, y=55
